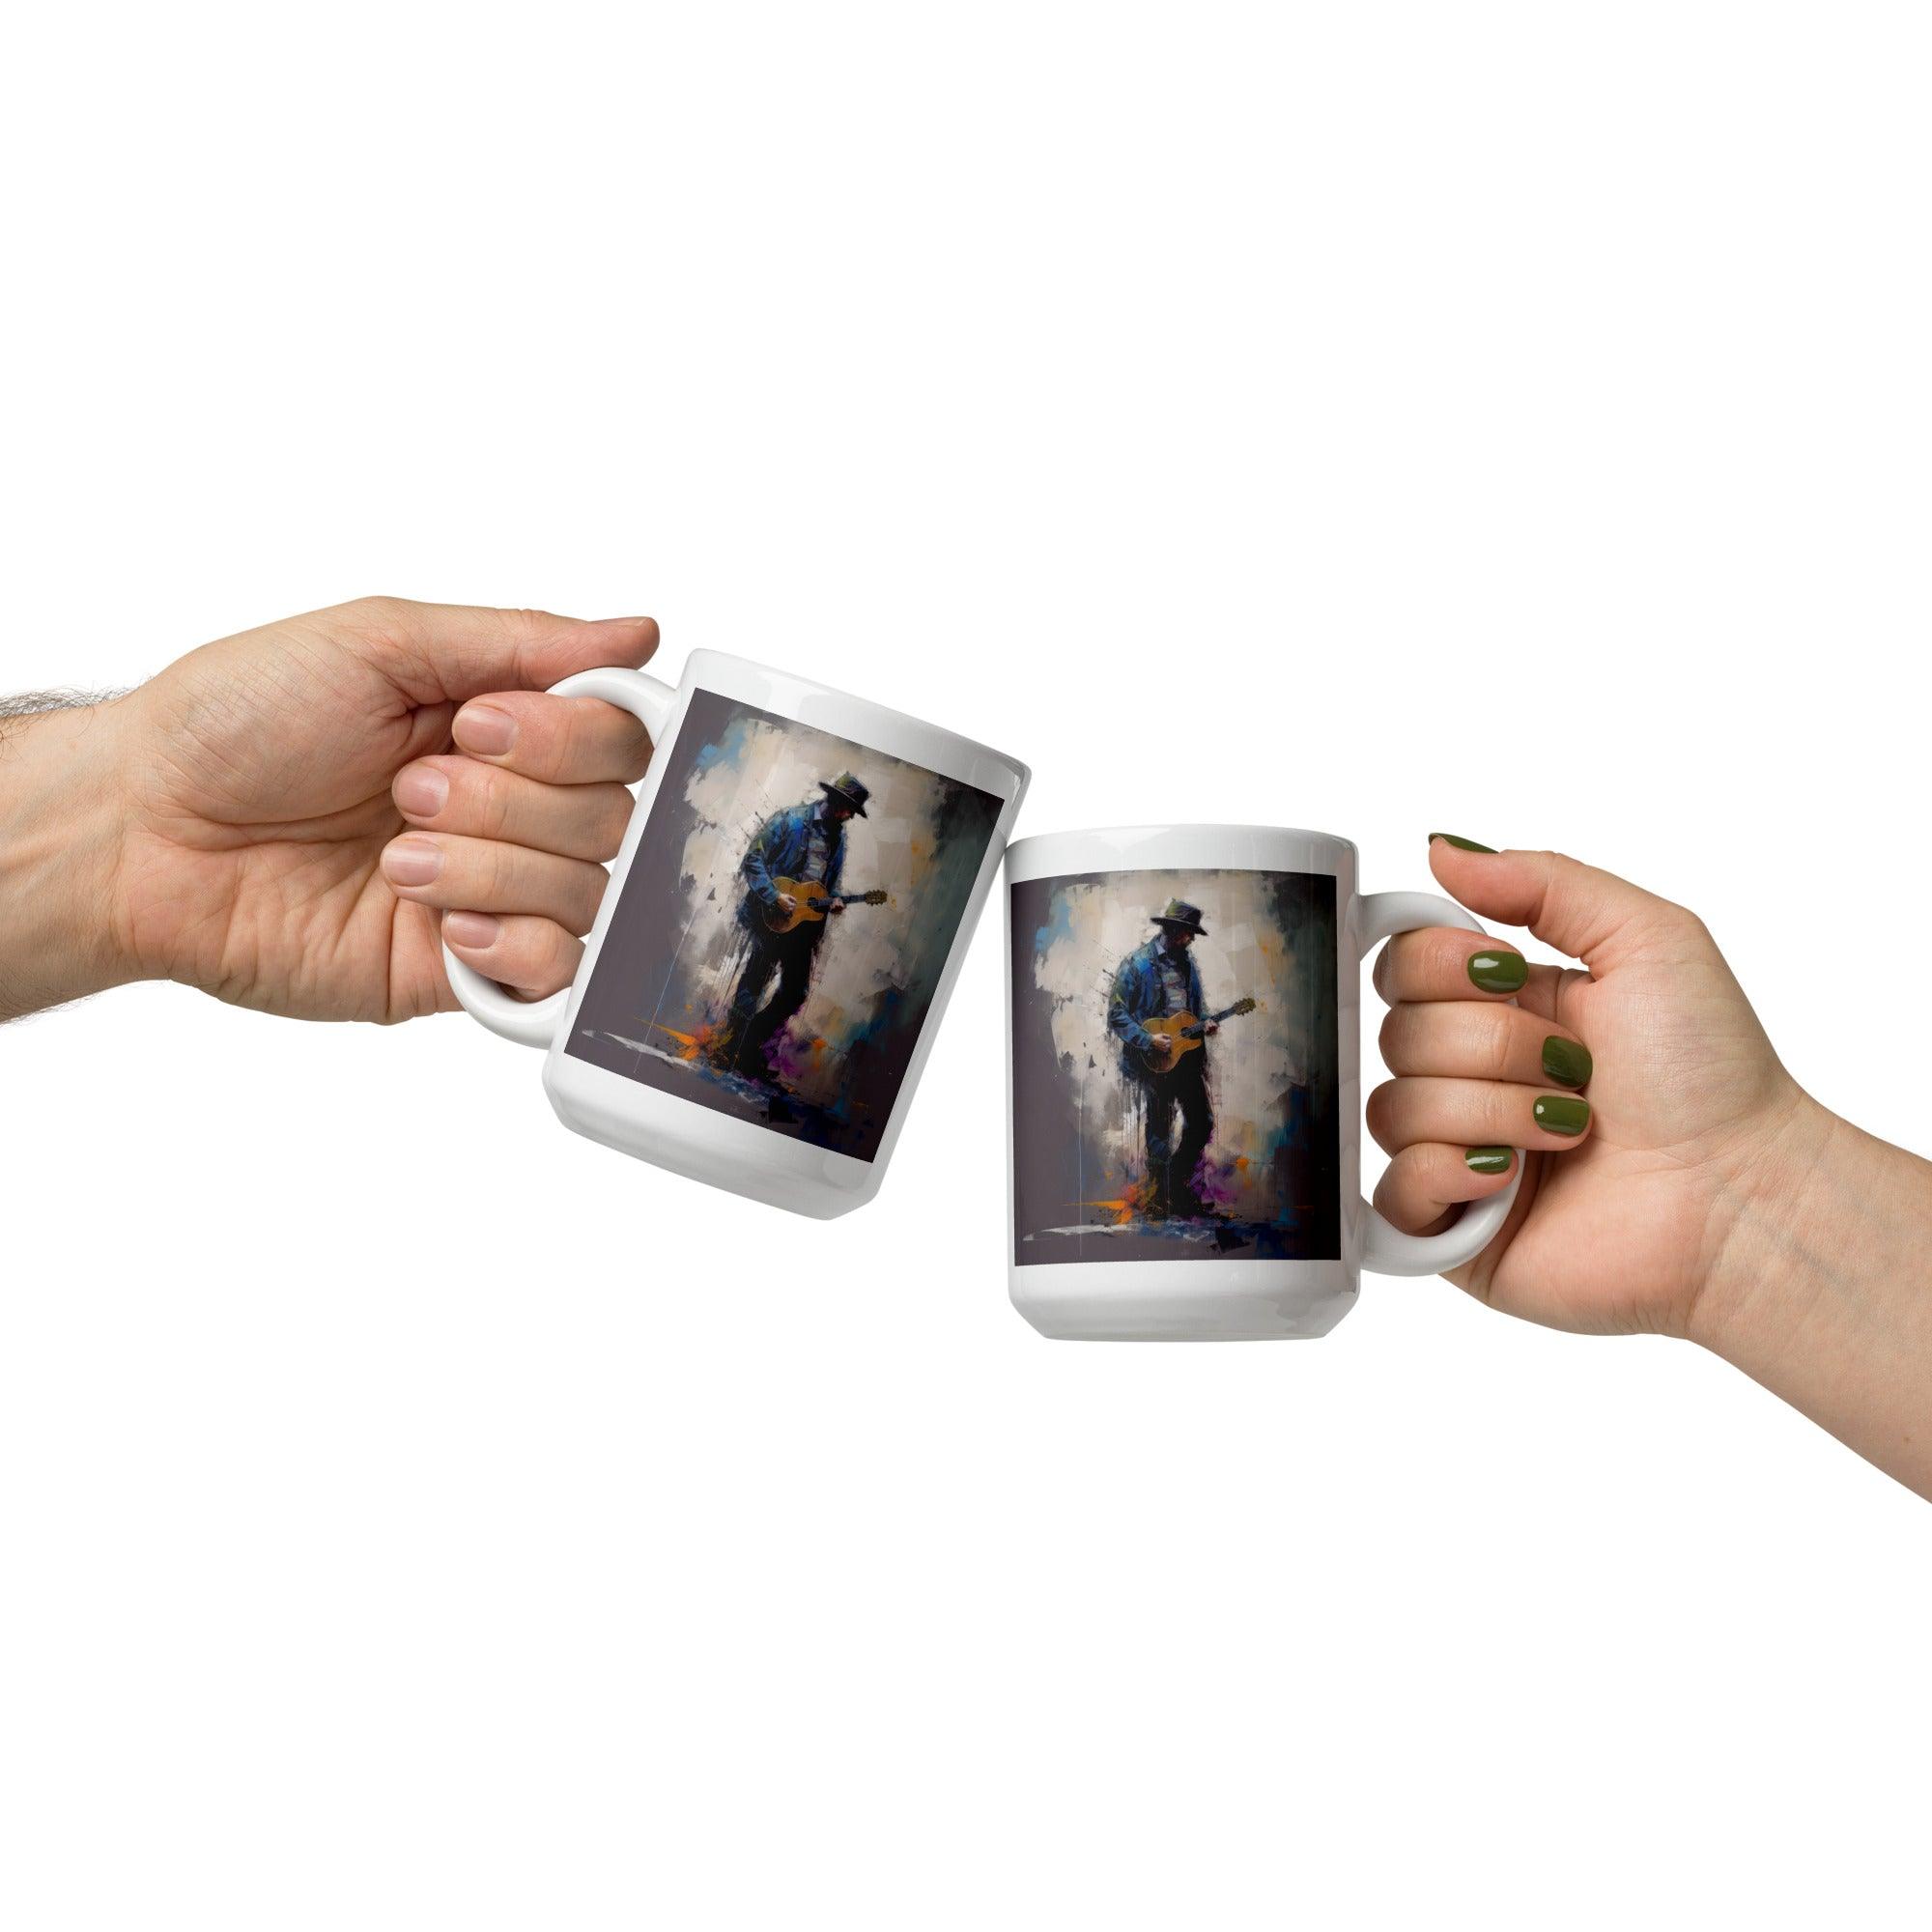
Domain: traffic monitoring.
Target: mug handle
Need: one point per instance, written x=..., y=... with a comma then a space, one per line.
x=535, y=1022
x=1388, y=1250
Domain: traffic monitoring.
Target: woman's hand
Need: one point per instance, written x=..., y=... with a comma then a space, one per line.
x=234, y=824
x=1648, y=1100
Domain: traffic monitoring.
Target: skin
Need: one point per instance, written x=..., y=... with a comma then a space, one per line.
x=286, y=818
x=1710, y=1197
x=282, y=818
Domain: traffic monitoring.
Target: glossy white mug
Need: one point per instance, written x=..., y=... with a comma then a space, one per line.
x=1208, y=1189
x=650, y=1051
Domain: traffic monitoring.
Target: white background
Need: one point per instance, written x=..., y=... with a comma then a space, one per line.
x=1505, y=418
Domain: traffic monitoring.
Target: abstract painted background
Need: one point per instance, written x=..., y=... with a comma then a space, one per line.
x=665, y=977
x=1272, y=1169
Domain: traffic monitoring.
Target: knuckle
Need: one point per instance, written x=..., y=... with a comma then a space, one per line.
x=1382, y=1109
x=561, y=953
x=492, y=803
x=1497, y=1040
x=535, y=726
x=1398, y=1037
x=563, y=746
x=636, y=750
x=1404, y=1193
x=499, y=872
x=593, y=879
x=550, y=943
x=553, y=960
x=1449, y=954
x=1388, y=1037
x=614, y=822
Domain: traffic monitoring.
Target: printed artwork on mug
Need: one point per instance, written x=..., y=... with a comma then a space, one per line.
x=783, y=925
x=1175, y=1067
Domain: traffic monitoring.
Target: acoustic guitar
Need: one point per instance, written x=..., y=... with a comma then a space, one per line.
x=812, y=901
x=1183, y=1034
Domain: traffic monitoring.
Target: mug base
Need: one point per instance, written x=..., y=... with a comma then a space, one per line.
x=698, y=1144
x=1274, y=1304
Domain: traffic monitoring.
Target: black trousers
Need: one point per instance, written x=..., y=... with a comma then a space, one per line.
x=1171, y=1163
x=754, y=1025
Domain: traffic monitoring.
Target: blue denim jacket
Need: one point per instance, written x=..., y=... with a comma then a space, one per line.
x=778, y=851
x=1137, y=997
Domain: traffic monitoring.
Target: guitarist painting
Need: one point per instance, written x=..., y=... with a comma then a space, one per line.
x=792, y=871
x=774, y=966
x=1152, y=1011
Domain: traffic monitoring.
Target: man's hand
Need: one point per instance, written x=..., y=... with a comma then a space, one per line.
x=788, y=905
x=836, y=906
x=234, y=823
x=1210, y=1028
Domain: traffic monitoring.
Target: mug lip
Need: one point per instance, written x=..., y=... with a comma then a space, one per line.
x=1022, y=851
x=949, y=752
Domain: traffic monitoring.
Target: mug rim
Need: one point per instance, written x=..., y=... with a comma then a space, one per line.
x=1021, y=851
x=961, y=758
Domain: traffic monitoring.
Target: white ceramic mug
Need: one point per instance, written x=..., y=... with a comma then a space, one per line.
x=1166, y=1182
x=783, y=927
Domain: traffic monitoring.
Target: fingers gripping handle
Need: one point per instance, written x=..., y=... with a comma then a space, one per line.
x=1388, y=1250
x=535, y=1022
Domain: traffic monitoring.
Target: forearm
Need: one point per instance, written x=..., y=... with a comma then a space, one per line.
x=59, y=841
x=1824, y=1291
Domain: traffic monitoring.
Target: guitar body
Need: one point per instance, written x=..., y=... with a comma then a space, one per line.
x=812, y=903
x=1173, y=1030
x=1184, y=1034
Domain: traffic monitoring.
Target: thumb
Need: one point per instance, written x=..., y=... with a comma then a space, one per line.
x=1592, y=916
x=438, y=652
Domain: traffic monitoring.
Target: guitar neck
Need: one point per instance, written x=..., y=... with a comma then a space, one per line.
x=1200, y=1027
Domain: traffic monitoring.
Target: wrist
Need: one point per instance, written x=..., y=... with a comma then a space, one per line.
x=1775, y=1216
x=61, y=832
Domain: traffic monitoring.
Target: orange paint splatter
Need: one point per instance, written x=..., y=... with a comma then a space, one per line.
x=1132, y=1206
x=690, y=1045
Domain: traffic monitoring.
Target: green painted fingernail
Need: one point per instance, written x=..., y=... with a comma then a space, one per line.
x=1489, y=1160
x=1498, y=972
x=1561, y=1113
x=1567, y=1062
x=1462, y=845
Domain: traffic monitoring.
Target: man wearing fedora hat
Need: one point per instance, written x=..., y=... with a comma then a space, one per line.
x=806, y=842
x=1155, y=982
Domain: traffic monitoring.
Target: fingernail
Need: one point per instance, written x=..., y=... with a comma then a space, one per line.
x=1567, y=1062
x=411, y=862
x=422, y=790
x=1462, y=845
x=470, y=928
x=1561, y=1113
x=1489, y=1160
x=483, y=727
x=1498, y=972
